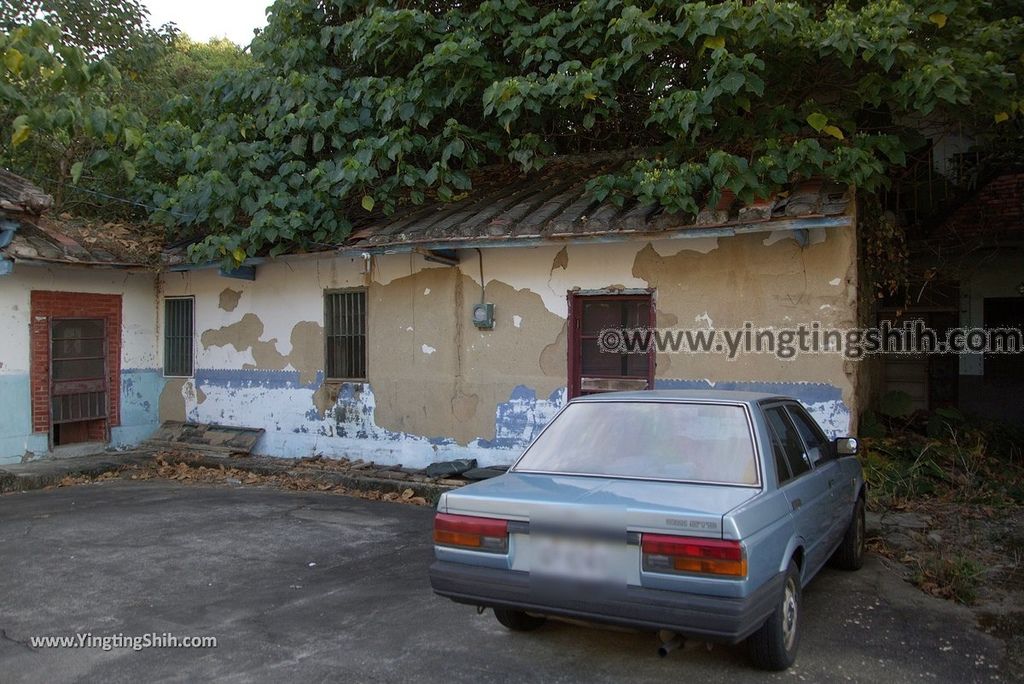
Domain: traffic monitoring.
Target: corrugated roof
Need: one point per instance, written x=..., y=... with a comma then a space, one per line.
x=552, y=204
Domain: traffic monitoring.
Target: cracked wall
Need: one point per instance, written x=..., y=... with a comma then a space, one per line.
x=140, y=382
x=473, y=370
x=769, y=282
x=438, y=387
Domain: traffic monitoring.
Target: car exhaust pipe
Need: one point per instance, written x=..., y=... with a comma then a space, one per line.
x=670, y=641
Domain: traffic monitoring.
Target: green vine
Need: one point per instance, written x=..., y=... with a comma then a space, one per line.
x=884, y=250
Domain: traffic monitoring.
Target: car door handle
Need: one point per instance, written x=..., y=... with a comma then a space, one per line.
x=797, y=503
x=830, y=483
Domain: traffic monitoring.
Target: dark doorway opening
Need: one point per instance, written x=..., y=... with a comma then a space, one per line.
x=992, y=394
x=1004, y=370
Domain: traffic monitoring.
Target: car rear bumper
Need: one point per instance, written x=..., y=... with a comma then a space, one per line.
x=707, y=617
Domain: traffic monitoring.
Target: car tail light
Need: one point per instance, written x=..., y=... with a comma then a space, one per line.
x=689, y=555
x=470, y=532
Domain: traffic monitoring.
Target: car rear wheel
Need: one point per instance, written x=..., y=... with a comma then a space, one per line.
x=774, y=645
x=850, y=554
x=517, y=620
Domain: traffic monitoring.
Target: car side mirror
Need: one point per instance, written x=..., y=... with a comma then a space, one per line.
x=846, y=446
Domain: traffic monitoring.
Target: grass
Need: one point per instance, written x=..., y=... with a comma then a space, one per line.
x=958, y=578
x=966, y=465
x=966, y=479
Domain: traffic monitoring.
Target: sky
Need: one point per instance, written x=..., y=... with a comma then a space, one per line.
x=205, y=19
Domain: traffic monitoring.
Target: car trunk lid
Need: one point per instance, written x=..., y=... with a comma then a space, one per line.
x=613, y=504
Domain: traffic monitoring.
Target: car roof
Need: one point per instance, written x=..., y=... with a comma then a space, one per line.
x=684, y=395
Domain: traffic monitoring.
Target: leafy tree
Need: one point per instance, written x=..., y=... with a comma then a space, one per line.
x=67, y=94
x=61, y=114
x=357, y=106
x=97, y=27
x=77, y=97
x=181, y=72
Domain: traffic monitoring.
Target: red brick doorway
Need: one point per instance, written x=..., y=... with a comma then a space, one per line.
x=76, y=366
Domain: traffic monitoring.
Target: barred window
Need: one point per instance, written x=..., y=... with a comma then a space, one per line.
x=178, y=336
x=345, y=328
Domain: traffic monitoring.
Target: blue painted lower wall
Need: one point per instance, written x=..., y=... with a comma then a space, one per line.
x=16, y=435
x=140, y=394
x=284, y=406
x=140, y=406
x=280, y=403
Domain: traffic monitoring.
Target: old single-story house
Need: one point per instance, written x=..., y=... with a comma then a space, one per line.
x=445, y=330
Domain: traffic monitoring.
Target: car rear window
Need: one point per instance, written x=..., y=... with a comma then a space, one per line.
x=693, y=442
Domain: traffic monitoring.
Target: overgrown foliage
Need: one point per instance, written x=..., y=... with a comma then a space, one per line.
x=184, y=70
x=62, y=113
x=961, y=480
x=956, y=576
x=78, y=96
x=362, y=104
x=943, y=456
x=358, y=106
x=885, y=254
x=97, y=27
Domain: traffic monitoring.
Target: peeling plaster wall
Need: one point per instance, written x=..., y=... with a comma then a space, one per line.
x=261, y=363
x=141, y=380
x=438, y=387
x=769, y=282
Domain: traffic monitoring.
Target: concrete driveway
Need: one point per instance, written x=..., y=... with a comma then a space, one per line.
x=319, y=587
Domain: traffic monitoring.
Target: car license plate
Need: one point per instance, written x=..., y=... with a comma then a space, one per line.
x=582, y=559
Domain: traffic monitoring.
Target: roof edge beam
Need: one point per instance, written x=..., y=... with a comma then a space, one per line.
x=795, y=225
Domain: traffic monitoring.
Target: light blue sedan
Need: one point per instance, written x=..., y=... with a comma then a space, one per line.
x=690, y=513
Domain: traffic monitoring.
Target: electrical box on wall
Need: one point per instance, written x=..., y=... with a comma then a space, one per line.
x=483, y=315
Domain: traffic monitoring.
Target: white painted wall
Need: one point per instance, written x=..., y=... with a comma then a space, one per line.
x=137, y=290
x=138, y=350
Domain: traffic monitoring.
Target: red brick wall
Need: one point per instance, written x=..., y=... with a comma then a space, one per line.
x=97, y=430
x=997, y=210
x=47, y=305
